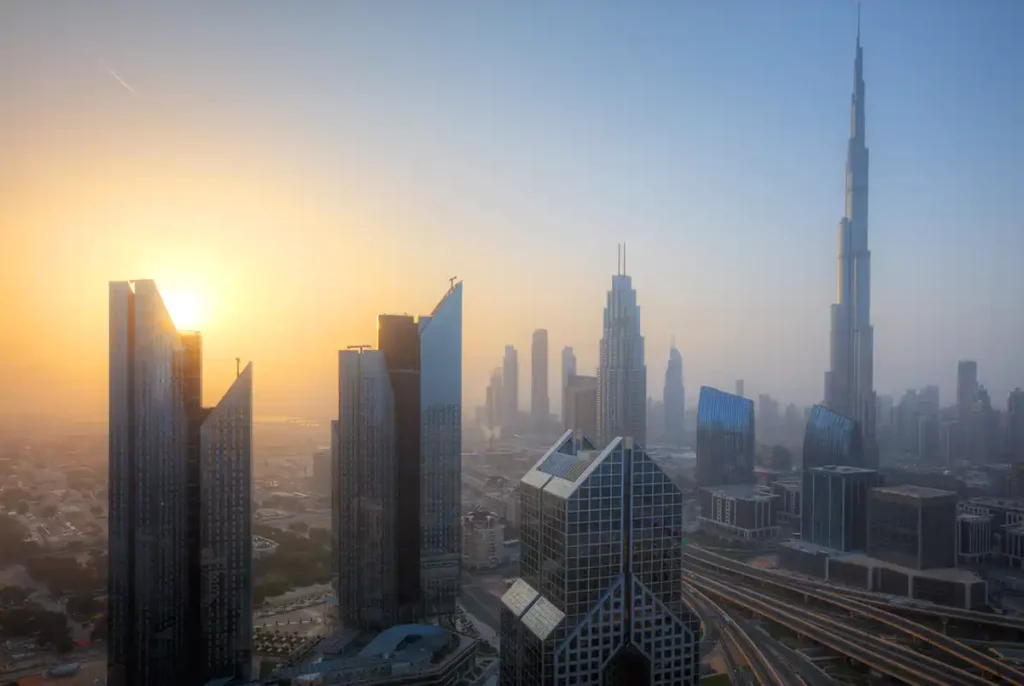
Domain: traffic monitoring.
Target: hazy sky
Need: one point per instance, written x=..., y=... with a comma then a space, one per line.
x=295, y=168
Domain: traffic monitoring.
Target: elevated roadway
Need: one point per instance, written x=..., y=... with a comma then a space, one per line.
x=988, y=664
x=892, y=659
x=735, y=640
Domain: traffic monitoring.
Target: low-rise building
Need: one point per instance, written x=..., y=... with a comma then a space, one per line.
x=913, y=526
x=741, y=511
x=834, y=504
x=973, y=539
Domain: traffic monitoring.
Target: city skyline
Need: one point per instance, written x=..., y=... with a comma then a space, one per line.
x=160, y=202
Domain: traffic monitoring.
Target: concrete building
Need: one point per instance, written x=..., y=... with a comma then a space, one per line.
x=397, y=494
x=973, y=539
x=581, y=399
x=725, y=438
x=741, y=511
x=1006, y=515
x=495, y=401
x=540, y=405
x=1015, y=428
x=740, y=390
x=609, y=521
x=787, y=500
x=622, y=373
x=180, y=571
x=913, y=526
x=482, y=538
x=835, y=506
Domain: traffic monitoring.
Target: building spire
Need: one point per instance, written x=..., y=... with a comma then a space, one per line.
x=858, y=24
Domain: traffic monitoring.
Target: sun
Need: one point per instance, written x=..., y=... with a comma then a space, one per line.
x=185, y=308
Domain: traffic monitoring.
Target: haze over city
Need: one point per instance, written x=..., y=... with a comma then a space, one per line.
x=286, y=177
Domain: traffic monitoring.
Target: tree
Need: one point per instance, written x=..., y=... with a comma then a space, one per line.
x=48, y=512
x=299, y=526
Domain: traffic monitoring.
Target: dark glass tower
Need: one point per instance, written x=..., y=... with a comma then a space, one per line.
x=179, y=607
x=725, y=438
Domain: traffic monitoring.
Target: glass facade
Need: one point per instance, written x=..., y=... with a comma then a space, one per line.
x=832, y=439
x=180, y=607
x=148, y=434
x=441, y=454
x=600, y=584
x=365, y=492
x=725, y=438
x=397, y=471
x=225, y=613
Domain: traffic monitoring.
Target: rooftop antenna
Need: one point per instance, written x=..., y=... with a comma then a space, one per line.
x=360, y=348
x=858, y=24
x=624, y=258
x=451, y=283
x=238, y=367
x=618, y=258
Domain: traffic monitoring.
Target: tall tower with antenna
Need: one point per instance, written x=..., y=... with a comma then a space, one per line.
x=622, y=373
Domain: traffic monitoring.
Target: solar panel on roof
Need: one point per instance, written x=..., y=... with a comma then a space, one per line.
x=557, y=464
x=576, y=470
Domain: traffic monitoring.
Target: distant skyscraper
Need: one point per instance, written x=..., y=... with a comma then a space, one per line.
x=1015, y=426
x=568, y=369
x=540, y=406
x=725, y=438
x=674, y=398
x=849, y=384
x=832, y=439
x=739, y=388
x=495, y=400
x=581, y=404
x=180, y=576
x=398, y=470
x=966, y=388
x=614, y=613
x=622, y=375
x=510, y=386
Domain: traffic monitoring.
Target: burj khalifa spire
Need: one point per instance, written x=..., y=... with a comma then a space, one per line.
x=849, y=385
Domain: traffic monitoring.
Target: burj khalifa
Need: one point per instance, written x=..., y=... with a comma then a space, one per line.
x=849, y=386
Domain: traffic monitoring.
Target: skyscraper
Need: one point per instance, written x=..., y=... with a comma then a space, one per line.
x=622, y=375
x=510, y=387
x=540, y=406
x=599, y=598
x=674, y=398
x=1015, y=426
x=581, y=404
x=568, y=369
x=849, y=382
x=725, y=438
x=495, y=400
x=180, y=577
x=966, y=388
x=398, y=454
x=740, y=388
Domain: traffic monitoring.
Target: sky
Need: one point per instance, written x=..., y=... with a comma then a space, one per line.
x=287, y=171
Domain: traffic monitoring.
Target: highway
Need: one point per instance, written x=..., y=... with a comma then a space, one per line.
x=971, y=656
x=894, y=660
x=735, y=640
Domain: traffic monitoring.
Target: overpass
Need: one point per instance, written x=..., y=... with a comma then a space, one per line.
x=892, y=659
x=871, y=611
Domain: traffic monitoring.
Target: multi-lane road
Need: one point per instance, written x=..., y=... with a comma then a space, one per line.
x=879, y=654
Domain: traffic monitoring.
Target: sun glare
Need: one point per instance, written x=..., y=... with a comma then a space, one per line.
x=186, y=309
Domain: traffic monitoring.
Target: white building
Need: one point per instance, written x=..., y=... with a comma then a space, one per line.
x=482, y=537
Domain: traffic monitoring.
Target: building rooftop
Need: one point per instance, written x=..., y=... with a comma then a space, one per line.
x=967, y=517
x=841, y=469
x=1001, y=503
x=911, y=491
x=741, y=491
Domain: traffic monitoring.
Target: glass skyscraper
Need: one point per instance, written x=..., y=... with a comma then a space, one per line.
x=179, y=606
x=599, y=598
x=622, y=374
x=725, y=438
x=397, y=470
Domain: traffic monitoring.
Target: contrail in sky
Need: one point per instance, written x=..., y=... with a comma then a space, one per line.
x=121, y=81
